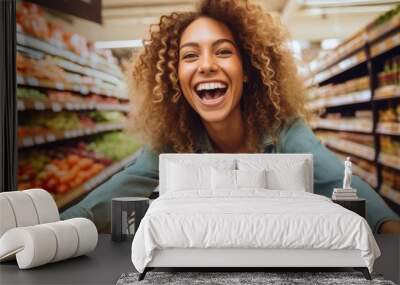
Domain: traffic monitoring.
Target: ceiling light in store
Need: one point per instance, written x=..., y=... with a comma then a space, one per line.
x=297, y=46
x=119, y=44
x=330, y=43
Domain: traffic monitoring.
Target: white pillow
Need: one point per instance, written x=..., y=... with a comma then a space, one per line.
x=281, y=174
x=251, y=178
x=293, y=181
x=236, y=179
x=182, y=177
x=223, y=179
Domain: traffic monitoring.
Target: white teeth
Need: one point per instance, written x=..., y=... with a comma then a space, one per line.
x=210, y=86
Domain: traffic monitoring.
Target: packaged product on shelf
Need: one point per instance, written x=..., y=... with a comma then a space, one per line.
x=104, y=116
x=31, y=19
x=366, y=114
x=76, y=43
x=391, y=178
x=56, y=35
x=388, y=115
x=31, y=94
x=106, y=143
x=391, y=72
x=390, y=145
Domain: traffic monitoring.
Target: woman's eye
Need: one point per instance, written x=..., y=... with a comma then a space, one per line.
x=224, y=52
x=189, y=56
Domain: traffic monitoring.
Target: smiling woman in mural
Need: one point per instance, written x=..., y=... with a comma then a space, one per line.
x=221, y=79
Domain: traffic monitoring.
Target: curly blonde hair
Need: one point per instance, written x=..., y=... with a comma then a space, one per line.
x=273, y=92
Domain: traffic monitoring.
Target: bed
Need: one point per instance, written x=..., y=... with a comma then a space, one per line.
x=247, y=210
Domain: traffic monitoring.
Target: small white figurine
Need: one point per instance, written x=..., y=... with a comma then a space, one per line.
x=347, y=174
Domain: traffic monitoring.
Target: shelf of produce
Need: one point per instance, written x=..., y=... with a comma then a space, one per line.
x=64, y=199
x=341, y=100
x=340, y=67
x=387, y=92
x=343, y=125
x=52, y=137
x=362, y=151
x=23, y=105
x=387, y=44
x=65, y=86
x=389, y=160
x=388, y=128
x=390, y=193
x=382, y=29
x=93, y=62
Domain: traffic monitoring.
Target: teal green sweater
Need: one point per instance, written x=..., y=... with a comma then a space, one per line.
x=141, y=178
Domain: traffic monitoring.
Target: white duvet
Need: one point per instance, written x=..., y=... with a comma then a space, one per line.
x=253, y=218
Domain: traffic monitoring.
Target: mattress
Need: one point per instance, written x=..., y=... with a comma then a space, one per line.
x=250, y=219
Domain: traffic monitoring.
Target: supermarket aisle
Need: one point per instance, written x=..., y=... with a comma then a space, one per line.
x=354, y=94
x=72, y=105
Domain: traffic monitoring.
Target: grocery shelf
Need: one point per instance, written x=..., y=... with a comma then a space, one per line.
x=341, y=100
x=334, y=78
x=342, y=125
x=390, y=193
x=387, y=92
x=52, y=136
x=389, y=160
x=343, y=51
x=380, y=31
x=93, y=62
x=385, y=45
x=38, y=105
x=70, y=66
x=370, y=178
x=360, y=150
x=342, y=66
x=388, y=128
x=376, y=36
x=64, y=86
x=66, y=198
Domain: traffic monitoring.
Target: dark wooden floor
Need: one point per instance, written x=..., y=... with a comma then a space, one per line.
x=389, y=262
x=106, y=264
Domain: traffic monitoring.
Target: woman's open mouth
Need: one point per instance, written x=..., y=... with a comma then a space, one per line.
x=211, y=93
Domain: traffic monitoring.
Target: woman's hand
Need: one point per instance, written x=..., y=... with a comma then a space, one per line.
x=390, y=227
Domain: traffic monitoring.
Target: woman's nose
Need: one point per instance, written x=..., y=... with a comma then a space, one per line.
x=207, y=65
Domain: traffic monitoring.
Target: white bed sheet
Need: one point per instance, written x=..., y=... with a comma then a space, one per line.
x=252, y=218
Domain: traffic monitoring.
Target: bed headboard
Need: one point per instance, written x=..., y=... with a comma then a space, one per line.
x=283, y=163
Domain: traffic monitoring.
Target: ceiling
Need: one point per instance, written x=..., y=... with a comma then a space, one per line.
x=307, y=20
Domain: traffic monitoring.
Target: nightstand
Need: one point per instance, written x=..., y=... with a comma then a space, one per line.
x=126, y=215
x=357, y=206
